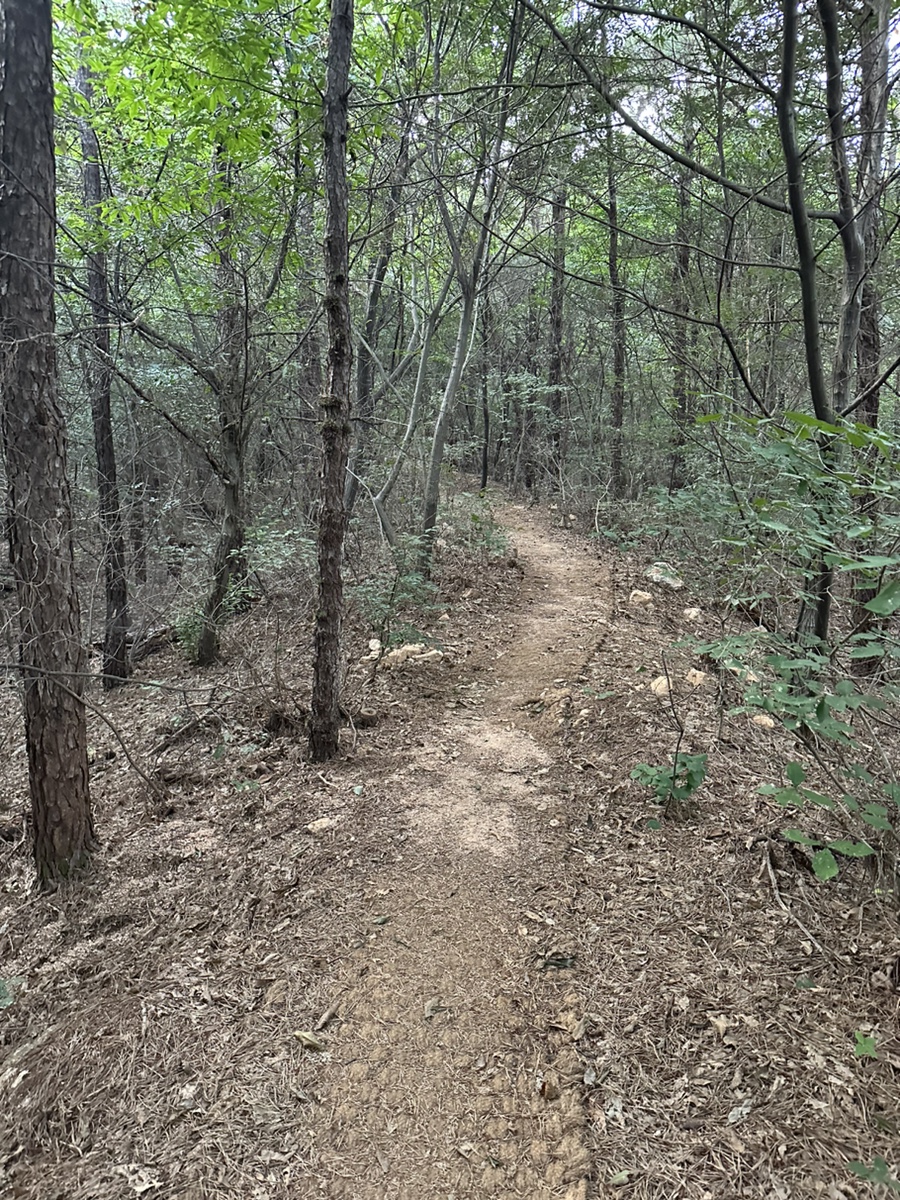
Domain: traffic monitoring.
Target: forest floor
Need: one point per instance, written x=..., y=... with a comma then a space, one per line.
x=458, y=962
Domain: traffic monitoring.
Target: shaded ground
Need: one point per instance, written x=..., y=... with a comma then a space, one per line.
x=518, y=988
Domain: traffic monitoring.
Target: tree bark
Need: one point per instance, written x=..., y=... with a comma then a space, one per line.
x=34, y=443
x=556, y=321
x=232, y=395
x=324, y=723
x=436, y=458
x=617, y=412
x=116, y=667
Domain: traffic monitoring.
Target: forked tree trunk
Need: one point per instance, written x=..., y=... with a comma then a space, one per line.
x=115, y=638
x=39, y=517
x=324, y=721
x=442, y=425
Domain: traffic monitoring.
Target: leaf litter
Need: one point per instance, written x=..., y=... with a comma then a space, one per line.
x=163, y=1032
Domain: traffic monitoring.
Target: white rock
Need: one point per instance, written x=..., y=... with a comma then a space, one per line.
x=639, y=599
x=691, y=614
x=661, y=572
x=430, y=656
x=321, y=825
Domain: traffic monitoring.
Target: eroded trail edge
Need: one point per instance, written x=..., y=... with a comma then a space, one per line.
x=454, y=1070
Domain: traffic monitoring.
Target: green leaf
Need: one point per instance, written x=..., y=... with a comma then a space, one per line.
x=879, y=1172
x=876, y=821
x=824, y=864
x=818, y=799
x=795, y=773
x=887, y=601
x=851, y=849
x=797, y=835
x=871, y=562
x=865, y=1045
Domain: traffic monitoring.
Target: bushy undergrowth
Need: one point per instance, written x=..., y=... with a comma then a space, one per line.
x=785, y=512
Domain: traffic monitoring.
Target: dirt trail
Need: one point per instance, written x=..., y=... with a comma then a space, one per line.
x=454, y=1071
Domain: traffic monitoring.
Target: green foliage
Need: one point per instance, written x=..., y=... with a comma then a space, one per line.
x=273, y=549
x=673, y=786
x=827, y=854
x=879, y=1172
x=469, y=526
x=865, y=1045
x=797, y=496
x=188, y=627
x=392, y=599
x=9, y=989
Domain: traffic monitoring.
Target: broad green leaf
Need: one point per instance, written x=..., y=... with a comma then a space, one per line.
x=795, y=773
x=796, y=835
x=851, y=849
x=824, y=864
x=887, y=601
x=876, y=821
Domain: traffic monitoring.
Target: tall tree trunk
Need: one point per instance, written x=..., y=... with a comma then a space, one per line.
x=556, y=321
x=815, y=614
x=436, y=458
x=487, y=326
x=680, y=280
x=873, y=34
x=324, y=722
x=617, y=413
x=229, y=567
x=115, y=640
x=34, y=444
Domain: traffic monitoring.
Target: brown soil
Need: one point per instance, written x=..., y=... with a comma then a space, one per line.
x=458, y=963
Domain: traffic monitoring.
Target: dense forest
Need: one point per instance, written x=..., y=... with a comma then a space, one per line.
x=289, y=291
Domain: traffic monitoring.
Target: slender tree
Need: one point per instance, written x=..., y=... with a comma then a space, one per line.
x=34, y=444
x=99, y=372
x=324, y=721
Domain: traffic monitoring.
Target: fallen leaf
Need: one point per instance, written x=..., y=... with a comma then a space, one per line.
x=433, y=1006
x=720, y=1024
x=308, y=1040
x=739, y=1112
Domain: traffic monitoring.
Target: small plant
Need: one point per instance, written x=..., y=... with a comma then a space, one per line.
x=878, y=1172
x=865, y=1044
x=673, y=786
x=470, y=525
x=388, y=601
x=188, y=625
x=825, y=862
